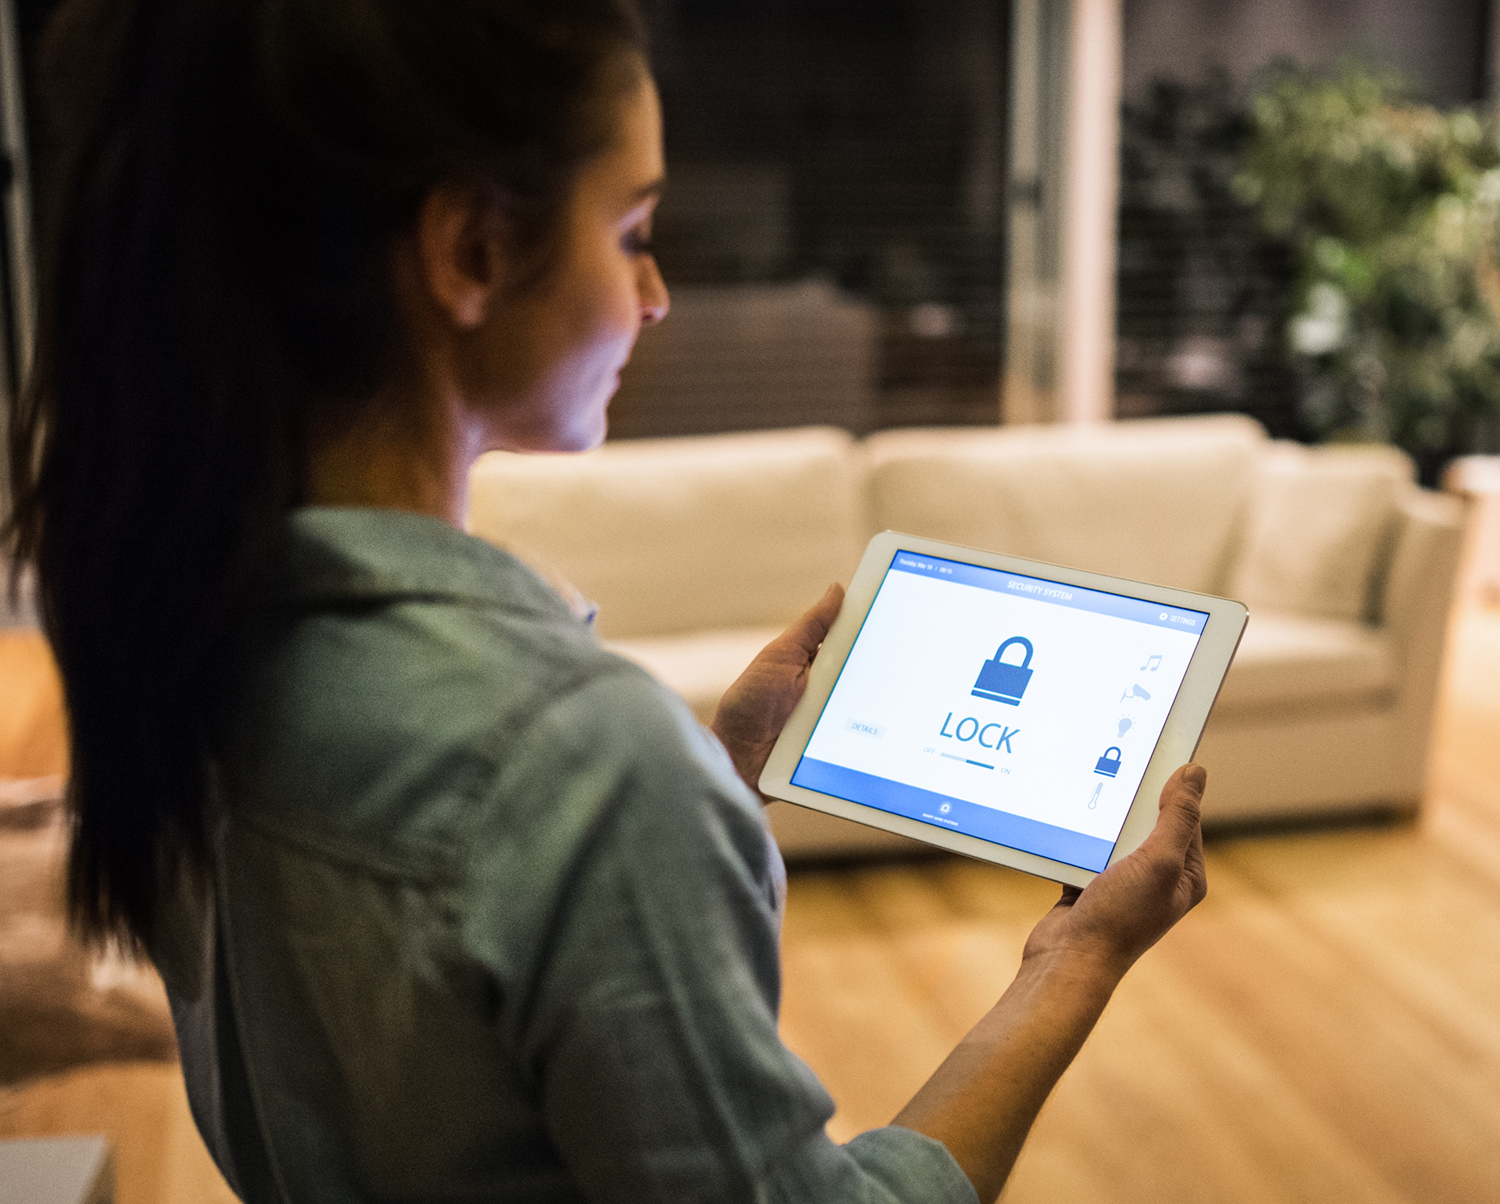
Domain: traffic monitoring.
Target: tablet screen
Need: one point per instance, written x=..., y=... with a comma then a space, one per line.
x=1013, y=709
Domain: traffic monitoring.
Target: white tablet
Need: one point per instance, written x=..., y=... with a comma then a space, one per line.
x=1019, y=712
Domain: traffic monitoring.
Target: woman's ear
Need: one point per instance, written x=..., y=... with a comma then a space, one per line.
x=461, y=250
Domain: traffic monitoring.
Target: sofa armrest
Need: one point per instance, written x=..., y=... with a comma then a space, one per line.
x=1477, y=480
x=1419, y=590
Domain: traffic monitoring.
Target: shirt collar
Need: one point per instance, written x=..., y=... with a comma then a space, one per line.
x=349, y=554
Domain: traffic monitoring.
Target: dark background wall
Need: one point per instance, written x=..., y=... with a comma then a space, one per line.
x=1201, y=295
x=1441, y=42
x=860, y=143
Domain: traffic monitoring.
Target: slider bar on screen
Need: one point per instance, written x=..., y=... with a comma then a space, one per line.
x=965, y=760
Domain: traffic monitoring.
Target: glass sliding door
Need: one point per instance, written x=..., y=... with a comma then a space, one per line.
x=834, y=225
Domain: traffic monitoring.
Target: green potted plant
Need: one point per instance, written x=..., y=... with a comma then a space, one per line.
x=1392, y=210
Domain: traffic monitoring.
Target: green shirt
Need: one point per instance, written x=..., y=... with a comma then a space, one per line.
x=493, y=918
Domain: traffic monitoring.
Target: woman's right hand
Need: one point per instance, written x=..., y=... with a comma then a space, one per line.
x=1131, y=905
x=985, y=1095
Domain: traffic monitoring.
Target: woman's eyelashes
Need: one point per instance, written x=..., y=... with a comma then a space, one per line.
x=638, y=241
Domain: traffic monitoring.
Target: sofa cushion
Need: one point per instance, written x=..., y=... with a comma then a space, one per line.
x=1320, y=520
x=688, y=534
x=701, y=665
x=1283, y=661
x=1156, y=500
x=1289, y=661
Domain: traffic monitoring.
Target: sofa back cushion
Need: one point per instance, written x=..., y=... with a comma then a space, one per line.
x=1158, y=500
x=1318, y=530
x=677, y=535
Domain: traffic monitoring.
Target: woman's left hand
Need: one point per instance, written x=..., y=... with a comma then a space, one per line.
x=756, y=707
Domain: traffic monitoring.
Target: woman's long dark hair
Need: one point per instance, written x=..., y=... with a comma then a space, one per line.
x=223, y=182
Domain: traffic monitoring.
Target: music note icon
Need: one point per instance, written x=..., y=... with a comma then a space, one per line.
x=1152, y=663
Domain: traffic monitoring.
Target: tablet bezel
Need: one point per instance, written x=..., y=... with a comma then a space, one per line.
x=1177, y=743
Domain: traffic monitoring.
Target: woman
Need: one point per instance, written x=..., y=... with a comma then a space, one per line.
x=450, y=903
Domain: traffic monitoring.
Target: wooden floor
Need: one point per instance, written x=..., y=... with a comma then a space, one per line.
x=33, y=741
x=141, y=1106
x=1324, y=1028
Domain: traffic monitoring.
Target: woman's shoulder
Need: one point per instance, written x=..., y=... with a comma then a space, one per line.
x=406, y=613
x=416, y=682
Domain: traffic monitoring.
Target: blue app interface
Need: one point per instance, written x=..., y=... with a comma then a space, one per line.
x=1011, y=708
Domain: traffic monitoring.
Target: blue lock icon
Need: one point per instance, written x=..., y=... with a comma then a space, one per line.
x=1109, y=765
x=1005, y=681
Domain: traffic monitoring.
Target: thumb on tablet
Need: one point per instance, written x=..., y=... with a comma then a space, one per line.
x=1180, y=809
x=1136, y=901
x=808, y=632
x=755, y=707
x=1167, y=873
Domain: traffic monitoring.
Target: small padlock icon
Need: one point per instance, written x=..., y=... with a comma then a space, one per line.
x=1109, y=765
x=1003, y=681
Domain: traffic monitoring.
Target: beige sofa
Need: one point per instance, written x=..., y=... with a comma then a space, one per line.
x=698, y=550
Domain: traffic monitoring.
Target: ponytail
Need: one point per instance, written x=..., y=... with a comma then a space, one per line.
x=223, y=181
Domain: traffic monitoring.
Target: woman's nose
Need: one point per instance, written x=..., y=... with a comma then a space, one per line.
x=652, y=290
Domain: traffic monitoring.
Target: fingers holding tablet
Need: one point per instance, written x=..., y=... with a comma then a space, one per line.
x=1136, y=901
x=1173, y=875
x=754, y=709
